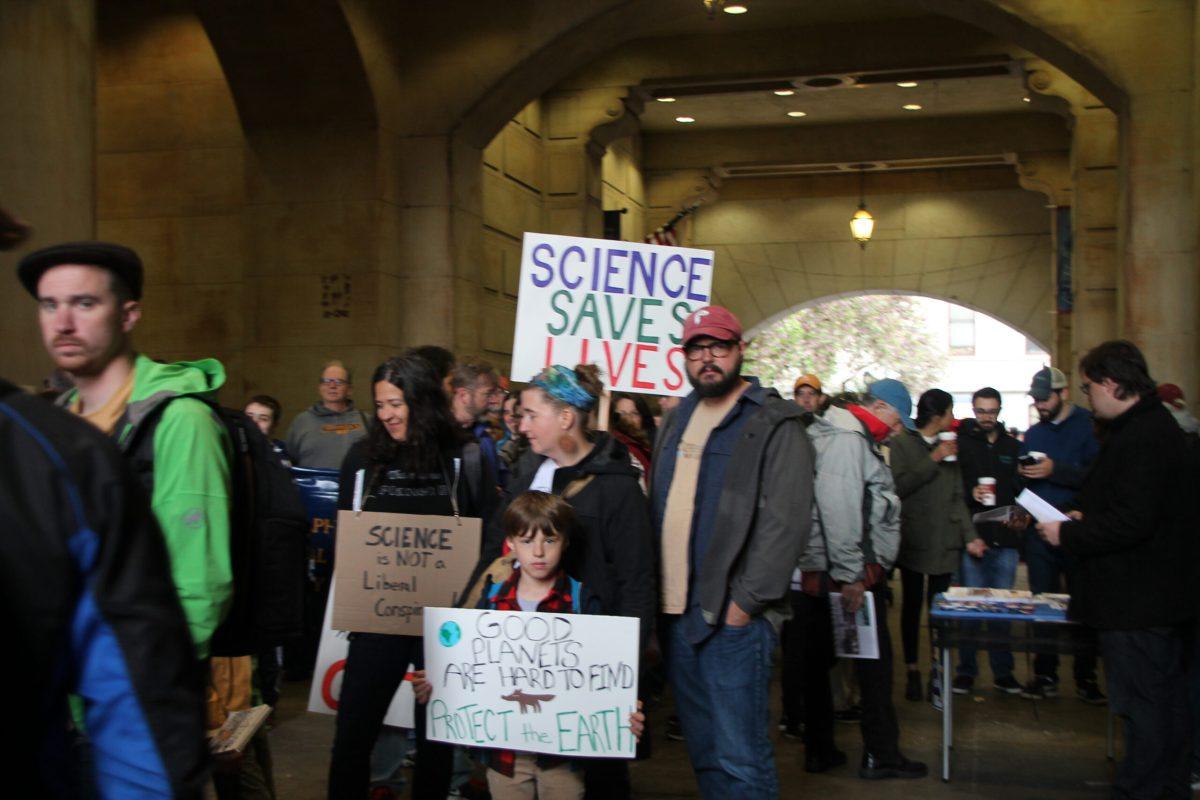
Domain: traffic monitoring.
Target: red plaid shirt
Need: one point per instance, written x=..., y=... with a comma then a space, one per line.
x=558, y=601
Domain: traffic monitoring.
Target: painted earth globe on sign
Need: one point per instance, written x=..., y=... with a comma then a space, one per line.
x=449, y=634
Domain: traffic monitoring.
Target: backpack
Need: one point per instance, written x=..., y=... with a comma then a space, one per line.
x=268, y=534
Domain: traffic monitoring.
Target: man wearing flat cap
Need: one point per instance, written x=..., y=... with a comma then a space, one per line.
x=89, y=301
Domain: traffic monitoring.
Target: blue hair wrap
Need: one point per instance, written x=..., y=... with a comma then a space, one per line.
x=561, y=383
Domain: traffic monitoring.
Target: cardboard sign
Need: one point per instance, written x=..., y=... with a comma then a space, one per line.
x=390, y=566
x=619, y=305
x=534, y=682
x=327, y=677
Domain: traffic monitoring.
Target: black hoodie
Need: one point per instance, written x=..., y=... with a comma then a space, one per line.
x=613, y=554
x=979, y=458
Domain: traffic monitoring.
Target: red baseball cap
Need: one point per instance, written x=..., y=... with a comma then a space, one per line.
x=714, y=321
x=1171, y=394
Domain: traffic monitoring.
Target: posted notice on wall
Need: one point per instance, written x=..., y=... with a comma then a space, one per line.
x=390, y=566
x=326, y=687
x=618, y=305
x=536, y=682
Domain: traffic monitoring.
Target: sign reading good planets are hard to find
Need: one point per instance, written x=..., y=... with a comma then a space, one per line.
x=619, y=305
x=532, y=681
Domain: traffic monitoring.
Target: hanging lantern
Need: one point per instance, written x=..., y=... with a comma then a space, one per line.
x=862, y=225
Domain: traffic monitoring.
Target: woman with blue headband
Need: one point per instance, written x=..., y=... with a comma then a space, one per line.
x=592, y=472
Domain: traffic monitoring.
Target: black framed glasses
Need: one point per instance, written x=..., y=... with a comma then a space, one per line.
x=695, y=352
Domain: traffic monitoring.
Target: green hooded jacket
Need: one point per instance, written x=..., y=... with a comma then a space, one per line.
x=192, y=495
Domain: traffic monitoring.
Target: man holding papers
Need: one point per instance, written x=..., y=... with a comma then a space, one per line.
x=1055, y=457
x=1134, y=570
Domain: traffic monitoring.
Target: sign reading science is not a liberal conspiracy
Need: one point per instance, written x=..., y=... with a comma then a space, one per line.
x=531, y=681
x=619, y=305
x=390, y=566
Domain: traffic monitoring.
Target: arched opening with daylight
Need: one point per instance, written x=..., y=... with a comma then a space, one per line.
x=851, y=339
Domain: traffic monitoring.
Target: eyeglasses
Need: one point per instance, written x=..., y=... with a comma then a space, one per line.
x=695, y=352
x=334, y=382
x=986, y=412
x=633, y=413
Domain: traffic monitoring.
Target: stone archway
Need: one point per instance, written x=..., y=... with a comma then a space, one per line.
x=762, y=325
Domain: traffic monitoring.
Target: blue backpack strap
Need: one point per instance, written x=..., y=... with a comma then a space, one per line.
x=493, y=591
x=576, y=600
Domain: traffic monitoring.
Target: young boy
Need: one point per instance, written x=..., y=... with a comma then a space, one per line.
x=537, y=526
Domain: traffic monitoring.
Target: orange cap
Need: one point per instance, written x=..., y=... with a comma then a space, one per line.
x=807, y=380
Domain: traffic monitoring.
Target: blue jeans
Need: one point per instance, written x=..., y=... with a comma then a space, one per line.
x=720, y=690
x=996, y=570
x=1048, y=568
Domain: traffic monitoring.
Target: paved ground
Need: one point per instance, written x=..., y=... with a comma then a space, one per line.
x=1006, y=748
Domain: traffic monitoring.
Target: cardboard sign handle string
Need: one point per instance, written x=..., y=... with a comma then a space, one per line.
x=358, y=491
x=454, y=489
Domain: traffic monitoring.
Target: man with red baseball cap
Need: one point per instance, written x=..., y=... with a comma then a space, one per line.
x=732, y=504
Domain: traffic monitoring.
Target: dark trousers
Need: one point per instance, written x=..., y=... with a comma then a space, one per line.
x=791, y=642
x=916, y=597
x=1048, y=571
x=880, y=728
x=300, y=654
x=375, y=667
x=606, y=779
x=1147, y=687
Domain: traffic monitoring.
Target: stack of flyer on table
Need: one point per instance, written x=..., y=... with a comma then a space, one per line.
x=977, y=600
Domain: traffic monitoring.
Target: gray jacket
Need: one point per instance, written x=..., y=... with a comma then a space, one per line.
x=856, y=513
x=319, y=438
x=764, y=515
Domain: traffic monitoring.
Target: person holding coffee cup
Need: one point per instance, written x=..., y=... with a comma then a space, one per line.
x=935, y=525
x=988, y=461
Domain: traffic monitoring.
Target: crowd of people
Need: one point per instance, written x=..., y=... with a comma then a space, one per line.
x=726, y=524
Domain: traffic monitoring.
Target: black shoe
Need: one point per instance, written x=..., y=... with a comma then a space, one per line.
x=963, y=684
x=875, y=768
x=913, y=690
x=850, y=715
x=823, y=762
x=1089, y=692
x=1007, y=685
x=1040, y=688
x=674, y=730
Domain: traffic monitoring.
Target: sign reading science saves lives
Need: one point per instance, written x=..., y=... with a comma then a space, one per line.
x=618, y=305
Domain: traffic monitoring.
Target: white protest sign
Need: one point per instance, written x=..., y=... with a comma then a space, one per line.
x=331, y=663
x=532, y=681
x=619, y=305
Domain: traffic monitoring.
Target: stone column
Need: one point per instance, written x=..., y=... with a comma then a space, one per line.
x=47, y=145
x=1095, y=179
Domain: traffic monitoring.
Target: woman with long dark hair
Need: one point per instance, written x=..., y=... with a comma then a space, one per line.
x=612, y=553
x=415, y=460
x=935, y=524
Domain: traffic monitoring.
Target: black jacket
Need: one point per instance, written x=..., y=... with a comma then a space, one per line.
x=1134, y=552
x=979, y=458
x=613, y=555
x=91, y=609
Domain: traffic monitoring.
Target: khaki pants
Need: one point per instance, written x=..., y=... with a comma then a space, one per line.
x=530, y=781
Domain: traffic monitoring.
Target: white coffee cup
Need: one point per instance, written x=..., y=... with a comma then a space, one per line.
x=1038, y=455
x=948, y=436
x=987, y=488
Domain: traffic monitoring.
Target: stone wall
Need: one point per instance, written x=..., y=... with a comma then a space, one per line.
x=989, y=250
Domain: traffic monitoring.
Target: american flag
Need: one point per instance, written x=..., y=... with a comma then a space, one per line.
x=664, y=236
